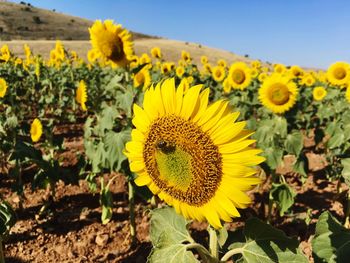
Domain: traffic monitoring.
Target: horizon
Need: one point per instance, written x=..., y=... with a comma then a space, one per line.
x=289, y=33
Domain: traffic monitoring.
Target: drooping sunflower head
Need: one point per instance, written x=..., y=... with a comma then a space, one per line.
x=3, y=87
x=319, y=93
x=338, y=74
x=278, y=93
x=192, y=154
x=36, y=130
x=239, y=75
x=112, y=41
x=81, y=95
x=156, y=52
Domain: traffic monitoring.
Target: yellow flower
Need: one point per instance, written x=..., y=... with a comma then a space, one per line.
x=280, y=68
x=18, y=61
x=338, y=74
x=319, y=93
x=74, y=55
x=180, y=71
x=218, y=73
x=347, y=94
x=186, y=56
x=308, y=80
x=134, y=61
x=226, y=85
x=37, y=69
x=156, y=52
x=278, y=93
x=204, y=60
x=165, y=68
x=296, y=71
x=194, y=156
x=92, y=56
x=60, y=53
x=142, y=78
x=36, y=130
x=254, y=72
x=81, y=95
x=184, y=85
x=145, y=59
x=207, y=68
x=3, y=87
x=113, y=42
x=262, y=76
x=256, y=64
x=239, y=75
x=222, y=63
x=5, y=53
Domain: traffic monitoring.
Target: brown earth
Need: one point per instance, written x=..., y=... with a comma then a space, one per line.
x=72, y=231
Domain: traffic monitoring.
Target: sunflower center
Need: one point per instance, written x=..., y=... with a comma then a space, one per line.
x=140, y=77
x=218, y=73
x=279, y=94
x=112, y=47
x=182, y=160
x=339, y=73
x=238, y=76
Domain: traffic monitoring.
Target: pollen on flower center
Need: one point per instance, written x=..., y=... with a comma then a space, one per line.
x=279, y=94
x=238, y=76
x=190, y=172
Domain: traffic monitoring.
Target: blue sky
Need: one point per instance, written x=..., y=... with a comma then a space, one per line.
x=311, y=33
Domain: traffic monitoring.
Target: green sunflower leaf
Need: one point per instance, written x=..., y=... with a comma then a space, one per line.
x=169, y=235
x=346, y=170
x=283, y=196
x=266, y=244
x=294, y=143
x=332, y=241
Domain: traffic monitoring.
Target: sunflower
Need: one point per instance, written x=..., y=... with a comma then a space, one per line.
x=207, y=68
x=134, y=61
x=5, y=53
x=81, y=95
x=218, y=73
x=92, y=56
x=156, y=52
x=184, y=85
x=204, y=60
x=113, y=42
x=194, y=156
x=279, y=68
x=319, y=93
x=180, y=71
x=308, y=80
x=3, y=87
x=145, y=59
x=222, y=63
x=36, y=130
x=186, y=56
x=262, y=76
x=239, y=75
x=338, y=74
x=295, y=71
x=142, y=78
x=226, y=85
x=278, y=93
x=256, y=64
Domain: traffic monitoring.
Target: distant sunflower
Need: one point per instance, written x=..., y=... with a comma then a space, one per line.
x=239, y=75
x=218, y=73
x=142, y=78
x=222, y=63
x=113, y=42
x=278, y=93
x=156, y=52
x=145, y=59
x=36, y=130
x=92, y=56
x=296, y=71
x=308, y=80
x=3, y=87
x=81, y=95
x=319, y=93
x=339, y=73
x=186, y=56
x=204, y=60
x=5, y=53
x=194, y=156
x=226, y=85
x=262, y=76
x=280, y=68
x=180, y=71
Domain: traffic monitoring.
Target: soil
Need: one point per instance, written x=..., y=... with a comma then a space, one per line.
x=72, y=230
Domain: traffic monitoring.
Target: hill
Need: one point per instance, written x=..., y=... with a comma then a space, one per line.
x=23, y=21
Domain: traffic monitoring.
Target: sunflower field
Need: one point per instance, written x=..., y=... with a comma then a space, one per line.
x=228, y=163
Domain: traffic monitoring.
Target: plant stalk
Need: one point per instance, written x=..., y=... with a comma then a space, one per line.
x=213, y=242
x=230, y=253
x=132, y=213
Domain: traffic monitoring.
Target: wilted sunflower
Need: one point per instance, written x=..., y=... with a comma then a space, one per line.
x=113, y=42
x=339, y=73
x=239, y=75
x=194, y=156
x=319, y=93
x=36, y=130
x=3, y=87
x=156, y=52
x=81, y=95
x=278, y=93
x=218, y=73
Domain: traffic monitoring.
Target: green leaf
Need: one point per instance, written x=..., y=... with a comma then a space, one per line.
x=301, y=165
x=337, y=139
x=283, y=196
x=168, y=233
x=266, y=244
x=273, y=157
x=346, y=170
x=280, y=126
x=294, y=143
x=7, y=219
x=332, y=241
x=115, y=144
x=106, y=200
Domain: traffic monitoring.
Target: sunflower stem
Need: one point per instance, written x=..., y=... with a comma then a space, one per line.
x=230, y=253
x=132, y=213
x=203, y=253
x=213, y=242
